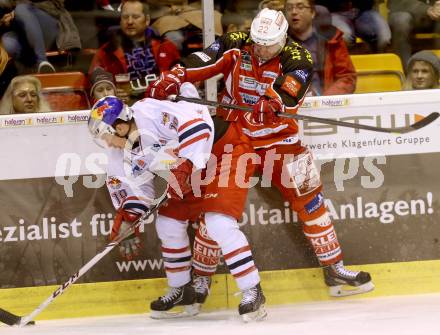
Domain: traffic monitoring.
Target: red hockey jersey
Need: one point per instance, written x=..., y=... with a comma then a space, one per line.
x=285, y=77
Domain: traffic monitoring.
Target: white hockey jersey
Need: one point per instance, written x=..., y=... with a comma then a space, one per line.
x=183, y=126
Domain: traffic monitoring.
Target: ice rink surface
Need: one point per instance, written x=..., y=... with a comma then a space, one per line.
x=415, y=315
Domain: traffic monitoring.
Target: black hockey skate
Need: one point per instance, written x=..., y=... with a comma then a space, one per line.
x=343, y=282
x=251, y=306
x=201, y=285
x=177, y=296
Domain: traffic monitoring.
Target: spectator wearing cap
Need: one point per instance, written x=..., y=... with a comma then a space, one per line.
x=102, y=84
x=23, y=95
x=423, y=71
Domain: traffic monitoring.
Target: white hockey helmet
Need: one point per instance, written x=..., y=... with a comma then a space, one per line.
x=105, y=112
x=269, y=27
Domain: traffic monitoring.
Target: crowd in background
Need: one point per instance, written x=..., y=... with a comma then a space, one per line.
x=121, y=45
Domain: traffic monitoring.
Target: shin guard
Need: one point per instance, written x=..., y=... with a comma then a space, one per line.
x=322, y=236
x=206, y=252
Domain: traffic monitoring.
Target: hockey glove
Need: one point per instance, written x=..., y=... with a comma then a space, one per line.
x=168, y=84
x=130, y=246
x=180, y=183
x=266, y=109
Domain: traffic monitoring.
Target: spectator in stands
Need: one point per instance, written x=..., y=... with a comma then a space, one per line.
x=134, y=48
x=23, y=95
x=334, y=72
x=38, y=26
x=7, y=67
x=272, y=4
x=102, y=84
x=358, y=18
x=412, y=16
x=423, y=71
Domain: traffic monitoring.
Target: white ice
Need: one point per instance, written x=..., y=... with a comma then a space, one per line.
x=412, y=315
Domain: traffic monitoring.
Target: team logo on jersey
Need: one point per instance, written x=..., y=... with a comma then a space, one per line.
x=246, y=61
x=247, y=83
x=214, y=46
x=204, y=57
x=114, y=183
x=293, y=51
x=245, y=56
x=302, y=75
x=165, y=118
x=174, y=124
x=155, y=147
x=261, y=88
x=291, y=86
x=315, y=203
x=246, y=66
x=249, y=99
x=235, y=36
x=270, y=74
x=210, y=195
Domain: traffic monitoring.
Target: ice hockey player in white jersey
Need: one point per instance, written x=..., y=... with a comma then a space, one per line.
x=155, y=138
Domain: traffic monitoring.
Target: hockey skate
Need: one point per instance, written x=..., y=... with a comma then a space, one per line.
x=251, y=306
x=201, y=286
x=343, y=282
x=177, y=296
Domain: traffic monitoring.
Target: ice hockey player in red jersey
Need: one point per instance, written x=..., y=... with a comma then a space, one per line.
x=264, y=69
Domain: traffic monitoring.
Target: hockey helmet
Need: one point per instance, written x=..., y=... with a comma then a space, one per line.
x=105, y=112
x=269, y=27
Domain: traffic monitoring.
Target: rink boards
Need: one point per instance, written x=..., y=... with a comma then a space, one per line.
x=381, y=191
x=280, y=287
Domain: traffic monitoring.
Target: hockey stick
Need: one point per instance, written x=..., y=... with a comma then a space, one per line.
x=12, y=319
x=398, y=130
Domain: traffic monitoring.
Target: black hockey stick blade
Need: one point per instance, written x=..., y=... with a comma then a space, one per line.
x=421, y=123
x=397, y=130
x=11, y=319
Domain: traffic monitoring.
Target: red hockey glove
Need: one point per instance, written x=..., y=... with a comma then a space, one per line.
x=130, y=246
x=266, y=109
x=180, y=184
x=168, y=84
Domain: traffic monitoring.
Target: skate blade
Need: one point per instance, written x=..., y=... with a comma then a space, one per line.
x=258, y=315
x=187, y=312
x=347, y=290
